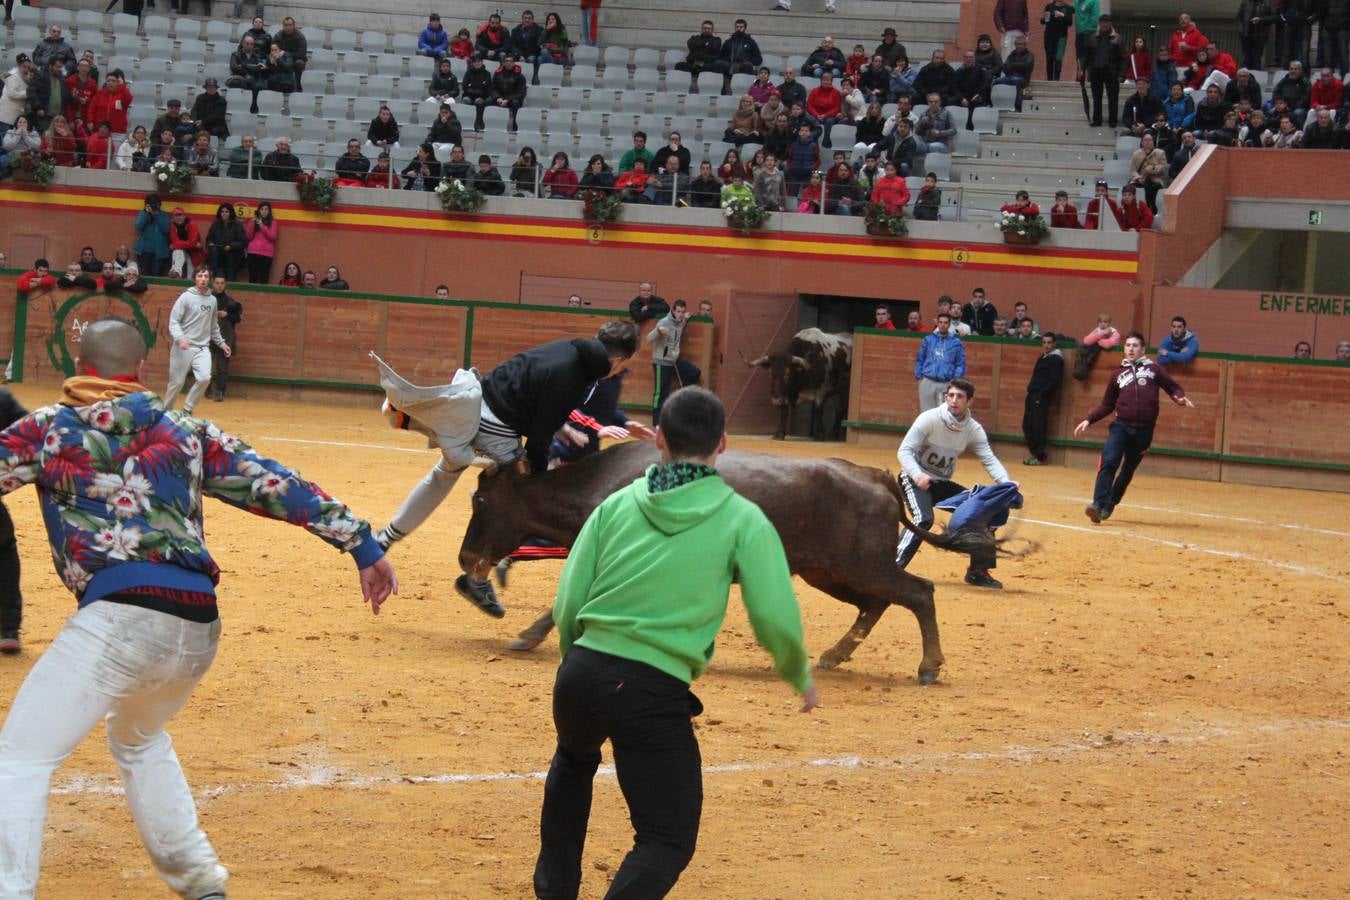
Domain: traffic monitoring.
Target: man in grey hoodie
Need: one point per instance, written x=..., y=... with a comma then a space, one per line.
x=665, y=339
x=194, y=328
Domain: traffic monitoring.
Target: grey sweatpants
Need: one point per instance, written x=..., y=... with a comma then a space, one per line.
x=436, y=486
x=931, y=392
x=196, y=360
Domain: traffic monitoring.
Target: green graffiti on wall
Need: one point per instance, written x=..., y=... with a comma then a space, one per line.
x=1305, y=304
x=65, y=333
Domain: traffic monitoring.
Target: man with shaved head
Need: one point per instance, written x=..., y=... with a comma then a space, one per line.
x=120, y=482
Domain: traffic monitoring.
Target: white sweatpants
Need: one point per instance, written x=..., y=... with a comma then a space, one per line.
x=182, y=264
x=196, y=360
x=1010, y=41
x=135, y=668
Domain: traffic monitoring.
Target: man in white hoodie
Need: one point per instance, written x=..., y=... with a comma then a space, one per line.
x=194, y=327
x=665, y=339
x=928, y=458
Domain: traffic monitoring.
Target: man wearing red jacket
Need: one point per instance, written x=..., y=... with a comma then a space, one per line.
x=1021, y=206
x=1327, y=91
x=1133, y=215
x=1133, y=393
x=37, y=278
x=111, y=103
x=823, y=105
x=1185, y=42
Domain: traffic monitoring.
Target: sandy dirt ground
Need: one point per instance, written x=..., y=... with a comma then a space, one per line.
x=1153, y=707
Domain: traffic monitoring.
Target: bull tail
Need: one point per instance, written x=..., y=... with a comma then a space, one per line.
x=963, y=540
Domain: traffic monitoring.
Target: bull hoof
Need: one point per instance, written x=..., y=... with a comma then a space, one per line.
x=524, y=643
x=927, y=678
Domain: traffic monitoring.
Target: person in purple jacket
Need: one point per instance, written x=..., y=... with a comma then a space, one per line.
x=1133, y=393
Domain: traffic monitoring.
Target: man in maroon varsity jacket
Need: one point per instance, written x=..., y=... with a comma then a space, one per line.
x=1133, y=394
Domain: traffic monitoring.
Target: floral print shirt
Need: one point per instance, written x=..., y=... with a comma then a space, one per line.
x=121, y=484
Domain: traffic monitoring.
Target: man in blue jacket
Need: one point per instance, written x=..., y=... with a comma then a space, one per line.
x=1180, y=345
x=434, y=41
x=941, y=358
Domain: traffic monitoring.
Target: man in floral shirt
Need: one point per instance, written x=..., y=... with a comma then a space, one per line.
x=120, y=482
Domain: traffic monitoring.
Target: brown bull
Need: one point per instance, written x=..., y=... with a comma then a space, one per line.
x=838, y=523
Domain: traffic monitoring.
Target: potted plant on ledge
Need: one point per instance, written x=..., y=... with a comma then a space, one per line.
x=881, y=223
x=316, y=191
x=456, y=196
x=600, y=206
x=744, y=214
x=34, y=166
x=1018, y=228
x=172, y=177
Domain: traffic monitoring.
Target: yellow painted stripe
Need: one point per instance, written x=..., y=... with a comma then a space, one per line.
x=631, y=235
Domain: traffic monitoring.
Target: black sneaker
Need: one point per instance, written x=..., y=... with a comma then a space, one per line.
x=1093, y=513
x=1106, y=511
x=480, y=594
x=9, y=643
x=982, y=578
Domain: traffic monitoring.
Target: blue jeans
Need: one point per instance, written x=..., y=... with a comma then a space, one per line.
x=827, y=124
x=1124, y=450
x=590, y=27
x=931, y=146
x=1018, y=82
x=689, y=375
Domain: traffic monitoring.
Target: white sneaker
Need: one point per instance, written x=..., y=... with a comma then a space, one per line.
x=783, y=6
x=829, y=7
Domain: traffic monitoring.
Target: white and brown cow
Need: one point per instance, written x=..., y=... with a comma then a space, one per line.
x=814, y=366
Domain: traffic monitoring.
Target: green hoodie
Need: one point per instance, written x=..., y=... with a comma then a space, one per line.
x=648, y=577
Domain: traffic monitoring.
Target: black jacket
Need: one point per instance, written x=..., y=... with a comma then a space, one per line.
x=875, y=80
x=210, y=111
x=525, y=41
x=1262, y=10
x=1046, y=377
x=933, y=79
x=295, y=44
x=706, y=193
x=1234, y=92
x=981, y=321
x=889, y=53
x=413, y=169
x=383, y=131
x=247, y=65
x=477, y=84
x=355, y=167
x=657, y=308
x=703, y=49
x=509, y=85
x=534, y=392
x=277, y=166
x=11, y=410
x=1111, y=58
x=1142, y=110
x=1295, y=91
x=489, y=182
x=832, y=58
x=40, y=95
x=444, y=84
x=972, y=85
x=792, y=92
x=741, y=49
x=445, y=132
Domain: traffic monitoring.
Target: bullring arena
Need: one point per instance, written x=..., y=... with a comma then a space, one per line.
x=1156, y=706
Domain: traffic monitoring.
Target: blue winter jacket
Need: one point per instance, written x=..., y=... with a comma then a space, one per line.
x=940, y=358
x=433, y=40
x=1180, y=113
x=154, y=234
x=1178, y=351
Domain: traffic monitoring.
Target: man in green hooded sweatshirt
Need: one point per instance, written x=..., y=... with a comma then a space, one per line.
x=639, y=606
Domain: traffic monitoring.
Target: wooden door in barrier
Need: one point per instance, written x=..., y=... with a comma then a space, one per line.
x=753, y=325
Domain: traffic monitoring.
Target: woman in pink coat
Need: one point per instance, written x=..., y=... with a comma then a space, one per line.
x=262, y=243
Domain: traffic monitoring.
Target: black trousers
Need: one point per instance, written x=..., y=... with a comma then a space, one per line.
x=689, y=376
x=1036, y=423
x=11, y=599
x=645, y=715
x=1104, y=80
x=259, y=268
x=220, y=363
x=1124, y=450
x=920, y=502
x=151, y=266
x=1254, y=47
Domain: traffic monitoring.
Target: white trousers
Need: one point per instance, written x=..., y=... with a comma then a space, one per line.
x=182, y=264
x=432, y=490
x=135, y=668
x=196, y=360
x=1010, y=41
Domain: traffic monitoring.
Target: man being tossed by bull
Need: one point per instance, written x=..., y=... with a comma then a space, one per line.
x=928, y=458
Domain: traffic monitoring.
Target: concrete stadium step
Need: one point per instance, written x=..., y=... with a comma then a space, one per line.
x=1064, y=129
x=1018, y=152
x=1023, y=176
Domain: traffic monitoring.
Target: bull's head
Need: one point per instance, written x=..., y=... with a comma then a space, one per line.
x=498, y=523
x=782, y=367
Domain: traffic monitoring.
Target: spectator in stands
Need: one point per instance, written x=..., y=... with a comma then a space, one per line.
x=971, y=86
x=1057, y=20
x=914, y=322
x=1254, y=132
x=875, y=80
x=1254, y=18
x=18, y=138
x=245, y=162
x=458, y=168
x=1017, y=69
x=309, y=281
x=744, y=125
x=770, y=110
x=870, y=131
x=1101, y=198
x=262, y=232
x=333, y=281
x=812, y=194
x=852, y=104
x=225, y=242
x=152, y=245
x=1180, y=346
x=48, y=94
x=673, y=147
x=803, y=158
x=843, y=195
x=201, y=157
x=434, y=40
x=904, y=109
x=937, y=78
x=1188, y=149
x=423, y=173
x=1287, y=137
x=1303, y=350
x=1064, y=214
x=112, y=103
x=508, y=89
x=703, y=50
x=487, y=179
x=560, y=181
x=352, y=166
x=1019, y=314
x=731, y=164
x=1001, y=328
x=462, y=46
x=762, y=90
x=825, y=58
x=494, y=41
x=1133, y=215
x=890, y=49
x=557, y=45
x=936, y=127
x=1148, y=167
x=739, y=56
x=1138, y=62
x=53, y=48
x=88, y=262
x=669, y=185
x=527, y=43
x=209, y=110
x=281, y=164
x=524, y=171
x=1243, y=87
x=290, y=275
x=477, y=89
x=1322, y=134
x=883, y=318
x=1210, y=112
x=705, y=189
x=382, y=176
x=383, y=131
x=1327, y=91
x=770, y=188
x=1343, y=351
x=1294, y=90
x=1104, y=60
x=166, y=148
x=1026, y=331
x=186, y=248
x=1186, y=42
x=248, y=70
x=637, y=151
x=901, y=83
x=14, y=94
x=122, y=259
x=824, y=104
x=134, y=153
x=979, y=313
x=870, y=172
x=791, y=91
x=856, y=61
x=1141, y=109
x=597, y=176
x=262, y=38
x=1226, y=135
x=928, y=202
x=280, y=71
x=590, y=22
x=80, y=89
x=1021, y=206
x=292, y=40
x=444, y=85
x=986, y=57
x=445, y=129
x=632, y=185
x=890, y=191
x=1180, y=109
x=37, y=278
x=184, y=134
x=1291, y=29
x=60, y=143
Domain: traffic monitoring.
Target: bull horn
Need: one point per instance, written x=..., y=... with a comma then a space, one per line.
x=488, y=465
x=798, y=363
x=757, y=363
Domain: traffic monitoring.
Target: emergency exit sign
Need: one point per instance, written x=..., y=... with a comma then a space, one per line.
x=1314, y=217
